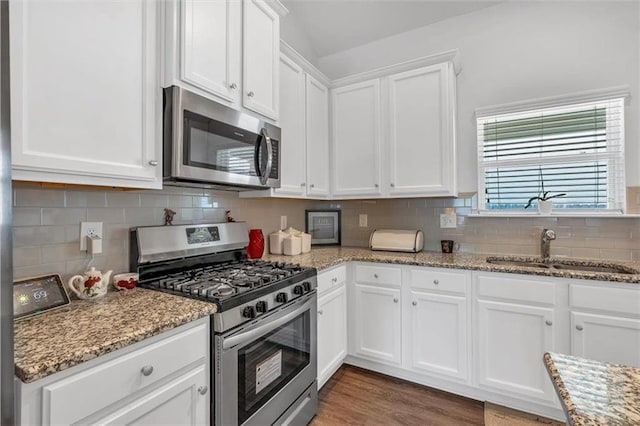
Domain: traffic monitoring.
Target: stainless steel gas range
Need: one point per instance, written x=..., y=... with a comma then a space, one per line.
x=264, y=355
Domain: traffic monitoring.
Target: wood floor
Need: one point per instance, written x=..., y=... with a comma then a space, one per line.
x=355, y=396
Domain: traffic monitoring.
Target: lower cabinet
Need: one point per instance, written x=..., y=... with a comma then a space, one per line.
x=378, y=323
x=161, y=380
x=332, y=332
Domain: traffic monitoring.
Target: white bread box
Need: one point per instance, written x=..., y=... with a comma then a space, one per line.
x=411, y=241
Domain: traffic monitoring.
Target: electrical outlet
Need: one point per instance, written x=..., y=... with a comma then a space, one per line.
x=362, y=220
x=448, y=220
x=283, y=222
x=88, y=229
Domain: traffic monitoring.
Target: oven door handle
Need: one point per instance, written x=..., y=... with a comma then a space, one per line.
x=250, y=335
x=263, y=174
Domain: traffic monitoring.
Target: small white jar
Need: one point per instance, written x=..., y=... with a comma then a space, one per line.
x=292, y=245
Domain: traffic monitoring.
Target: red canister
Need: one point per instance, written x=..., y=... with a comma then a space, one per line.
x=256, y=244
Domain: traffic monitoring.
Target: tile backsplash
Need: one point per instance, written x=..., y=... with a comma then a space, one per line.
x=47, y=225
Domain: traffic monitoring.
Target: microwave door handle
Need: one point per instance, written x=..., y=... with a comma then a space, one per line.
x=267, y=172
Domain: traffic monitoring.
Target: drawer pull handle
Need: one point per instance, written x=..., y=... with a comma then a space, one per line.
x=320, y=312
x=153, y=163
x=375, y=275
x=203, y=390
x=250, y=94
x=147, y=370
x=549, y=323
x=579, y=328
x=395, y=300
x=436, y=282
x=414, y=303
x=233, y=86
x=334, y=279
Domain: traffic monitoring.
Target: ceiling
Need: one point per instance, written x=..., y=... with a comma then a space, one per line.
x=336, y=25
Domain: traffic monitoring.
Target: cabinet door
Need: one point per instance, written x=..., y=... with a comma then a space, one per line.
x=85, y=92
x=183, y=401
x=606, y=338
x=378, y=323
x=292, y=124
x=356, y=139
x=210, y=46
x=421, y=132
x=511, y=341
x=332, y=333
x=261, y=58
x=317, y=119
x=439, y=334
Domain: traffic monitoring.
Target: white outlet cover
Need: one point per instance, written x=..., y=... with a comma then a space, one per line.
x=86, y=228
x=362, y=220
x=448, y=220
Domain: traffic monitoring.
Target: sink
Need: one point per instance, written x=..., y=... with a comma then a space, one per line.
x=564, y=265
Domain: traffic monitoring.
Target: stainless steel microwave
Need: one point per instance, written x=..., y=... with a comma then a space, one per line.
x=208, y=143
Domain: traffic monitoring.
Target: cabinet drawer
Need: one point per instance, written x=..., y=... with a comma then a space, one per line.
x=601, y=298
x=521, y=289
x=378, y=274
x=72, y=399
x=330, y=278
x=431, y=279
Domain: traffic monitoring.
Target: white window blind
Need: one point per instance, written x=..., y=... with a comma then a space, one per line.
x=576, y=150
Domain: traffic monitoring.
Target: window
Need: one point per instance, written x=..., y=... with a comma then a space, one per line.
x=572, y=149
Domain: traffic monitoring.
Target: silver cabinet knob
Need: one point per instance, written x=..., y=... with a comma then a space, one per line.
x=147, y=370
x=376, y=185
x=202, y=390
x=153, y=163
x=395, y=300
x=250, y=94
x=436, y=282
x=375, y=275
x=303, y=184
x=320, y=312
x=414, y=303
x=579, y=327
x=393, y=185
x=549, y=323
x=334, y=279
x=312, y=186
x=233, y=86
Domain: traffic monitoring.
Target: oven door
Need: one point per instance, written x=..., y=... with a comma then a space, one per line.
x=213, y=143
x=264, y=368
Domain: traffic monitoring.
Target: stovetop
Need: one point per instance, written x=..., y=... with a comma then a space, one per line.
x=230, y=284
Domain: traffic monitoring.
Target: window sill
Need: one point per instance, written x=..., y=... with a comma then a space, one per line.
x=554, y=214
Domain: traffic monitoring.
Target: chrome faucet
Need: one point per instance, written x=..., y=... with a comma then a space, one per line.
x=548, y=235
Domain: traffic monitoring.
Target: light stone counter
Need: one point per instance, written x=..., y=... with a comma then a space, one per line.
x=595, y=393
x=85, y=329
x=325, y=257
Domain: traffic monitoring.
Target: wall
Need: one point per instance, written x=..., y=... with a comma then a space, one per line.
x=46, y=225
x=516, y=51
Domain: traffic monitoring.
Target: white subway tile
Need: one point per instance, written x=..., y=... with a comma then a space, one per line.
x=107, y=215
x=27, y=216
x=26, y=256
x=63, y=216
x=31, y=236
x=154, y=200
x=123, y=199
x=42, y=269
x=36, y=197
x=86, y=198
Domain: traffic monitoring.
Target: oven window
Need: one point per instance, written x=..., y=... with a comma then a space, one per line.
x=266, y=365
x=215, y=145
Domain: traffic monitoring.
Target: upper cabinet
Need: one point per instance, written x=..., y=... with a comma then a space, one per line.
x=356, y=139
x=317, y=121
x=85, y=93
x=421, y=126
x=394, y=135
x=226, y=50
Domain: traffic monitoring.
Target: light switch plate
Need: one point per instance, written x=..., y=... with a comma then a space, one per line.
x=448, y=220
x=362, y=220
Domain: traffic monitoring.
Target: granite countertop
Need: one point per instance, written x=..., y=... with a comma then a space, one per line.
x=85, y=329
x=595, y=393
x=325, y=257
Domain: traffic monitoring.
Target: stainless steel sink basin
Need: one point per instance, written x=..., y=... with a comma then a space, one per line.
x=565, y=265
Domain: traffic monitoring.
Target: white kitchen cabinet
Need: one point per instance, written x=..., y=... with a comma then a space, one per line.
x=86, y=98
x=317, y=121
x=356, y=136
x=332, y=332
x=293, y=168
x=260, y=58
x=165, y=377
x=421, y=125
x=225, y=50
x=209, y=37
x=377, y=323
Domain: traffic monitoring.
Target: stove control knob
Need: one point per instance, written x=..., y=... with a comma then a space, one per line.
x=262, y=306
x=307, y=286
x=298, y=290
x=281, y=298
x=249, y=312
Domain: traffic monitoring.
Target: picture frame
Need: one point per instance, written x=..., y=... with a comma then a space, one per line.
x=324, y=226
